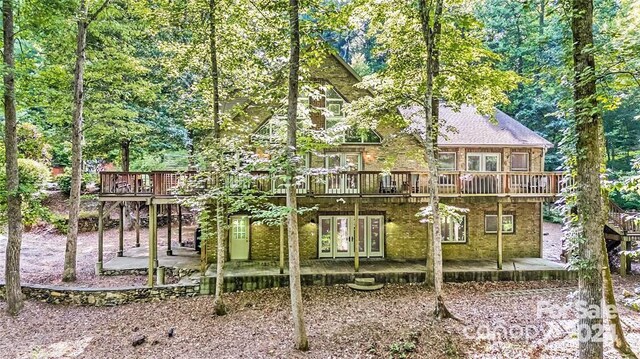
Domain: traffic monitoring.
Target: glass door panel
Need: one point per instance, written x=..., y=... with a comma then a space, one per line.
x=362, y=236
x=326, y=237
x=352, y=164
x=343, y=237
x=376, y=236
x=333, y=179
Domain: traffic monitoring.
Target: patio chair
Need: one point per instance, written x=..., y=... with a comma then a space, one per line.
x=388, y=185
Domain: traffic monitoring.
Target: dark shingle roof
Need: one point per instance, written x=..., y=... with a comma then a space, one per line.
x=472, y=128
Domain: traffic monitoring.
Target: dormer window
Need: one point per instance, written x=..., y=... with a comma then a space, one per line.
x=324, y=103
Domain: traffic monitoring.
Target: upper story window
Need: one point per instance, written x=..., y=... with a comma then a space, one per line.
x=483, y=162
x=325, y=104
x=447, y=161
x=519, y=161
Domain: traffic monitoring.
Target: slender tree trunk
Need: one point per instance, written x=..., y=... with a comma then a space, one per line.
x=589, y=201
x=218, y=302
x=619, y=341
x=125, y=159
x=14, y=201
x=297, y=310
x=69, y=274
x=432, y=112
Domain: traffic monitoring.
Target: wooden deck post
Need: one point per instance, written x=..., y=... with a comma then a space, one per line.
x=138, y=224
x=152, y=217
x=499, y=219
x=169, y=251
x=624, y=245
x=356, y=242
x=121, y=231
x=155, y=235
x=180, y=225
x=282, y=247
x=100, y=238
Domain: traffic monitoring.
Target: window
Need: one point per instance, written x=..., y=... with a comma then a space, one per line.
x=491, y=223
x=239, y=228
x=454, y=231
x=483, y=162
x=520, y=161
x=447, y=161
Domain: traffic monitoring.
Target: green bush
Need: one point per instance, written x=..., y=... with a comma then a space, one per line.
x=33, y=178
x=64, y=181
x=31, y=143
x=552, y=214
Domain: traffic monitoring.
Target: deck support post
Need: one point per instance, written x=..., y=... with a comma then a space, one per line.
x=156, y=209
x=138, y=224
x=121, y=231
x=100, y=238
x=356, y=241
x=499, y=225
x=180, y=225
x=152, y=218
x=169, y=251
x=281, y=247
x=624, y=263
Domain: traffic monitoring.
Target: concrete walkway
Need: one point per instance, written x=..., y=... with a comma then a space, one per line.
x=138, y=258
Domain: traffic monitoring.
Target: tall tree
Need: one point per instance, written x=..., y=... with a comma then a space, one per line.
x=297, y=311
x=14, y=201
x=430, y=17
x=221, y=254
x=84, y=20
x=589, y=201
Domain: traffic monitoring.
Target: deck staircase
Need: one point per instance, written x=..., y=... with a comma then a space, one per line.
x=623, y=223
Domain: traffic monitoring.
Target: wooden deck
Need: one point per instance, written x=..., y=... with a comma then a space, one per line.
x=168, y=184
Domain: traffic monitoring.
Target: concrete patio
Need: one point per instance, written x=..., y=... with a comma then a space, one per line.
x=251, y=275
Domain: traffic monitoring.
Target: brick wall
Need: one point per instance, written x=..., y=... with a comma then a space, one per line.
x=405, y=237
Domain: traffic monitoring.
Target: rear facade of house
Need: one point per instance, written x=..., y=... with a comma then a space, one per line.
x=493, y=167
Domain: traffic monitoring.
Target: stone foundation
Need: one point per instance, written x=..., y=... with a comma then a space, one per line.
x=100, y=297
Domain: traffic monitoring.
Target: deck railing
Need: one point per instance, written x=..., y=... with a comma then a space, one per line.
x=360, y=183
x=625, y=220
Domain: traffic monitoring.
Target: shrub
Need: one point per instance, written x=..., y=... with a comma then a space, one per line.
x=33, y=178
x=64, y=181
x=31, y=143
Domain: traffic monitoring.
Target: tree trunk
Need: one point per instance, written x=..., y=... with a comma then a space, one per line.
x=619, y=341
x=69, y=274
x=125, y=159
x=589, y=202
x=218, y=302
x=297, y=311
x=432, y=112
x=14, y=201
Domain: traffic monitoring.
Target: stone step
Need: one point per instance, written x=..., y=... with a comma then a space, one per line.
x=365, y=281
x=365, y=288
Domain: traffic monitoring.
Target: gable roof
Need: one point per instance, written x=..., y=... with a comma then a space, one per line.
x=474, y=129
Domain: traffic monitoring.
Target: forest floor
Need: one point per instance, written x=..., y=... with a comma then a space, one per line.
x=42, y=259
x=394, y=322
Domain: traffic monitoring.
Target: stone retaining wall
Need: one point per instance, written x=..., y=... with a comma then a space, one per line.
x=103, y=296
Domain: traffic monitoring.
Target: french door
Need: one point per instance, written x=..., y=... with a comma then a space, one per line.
x=345, y=179
x=337, y=236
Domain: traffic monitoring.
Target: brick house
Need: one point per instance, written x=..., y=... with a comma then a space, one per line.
x=494, y=168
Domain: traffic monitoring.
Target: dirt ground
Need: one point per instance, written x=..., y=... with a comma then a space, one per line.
x=42, y=259
x=341, y=324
